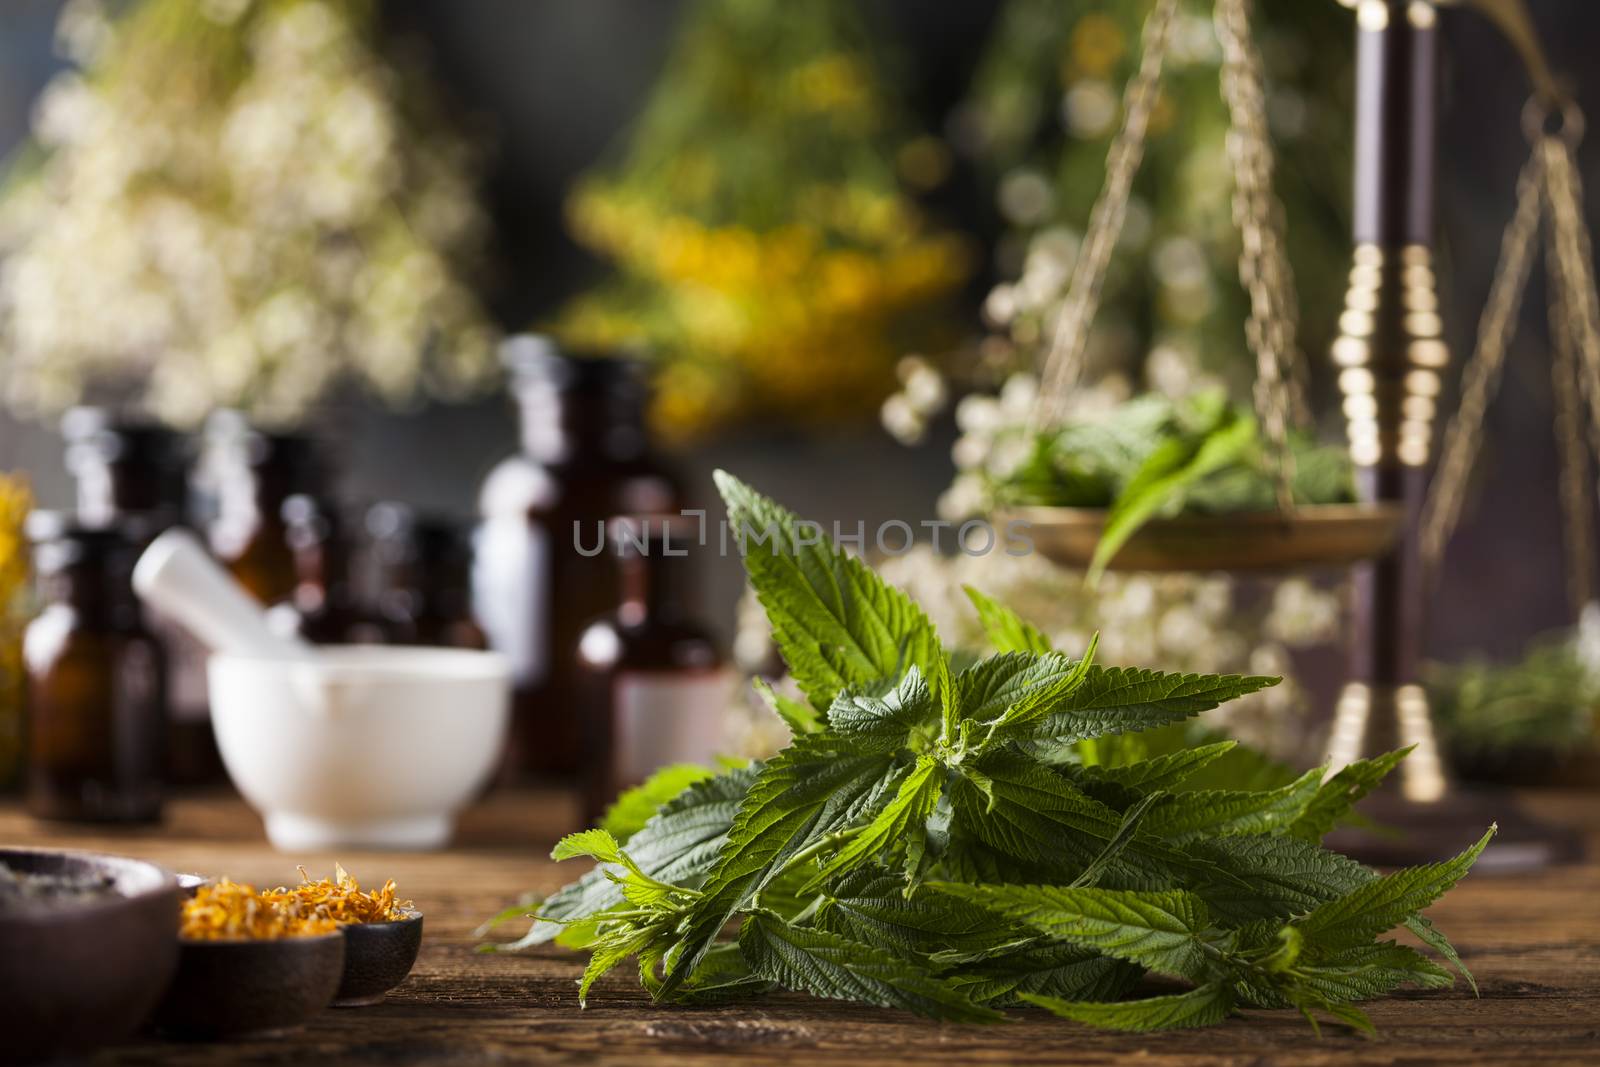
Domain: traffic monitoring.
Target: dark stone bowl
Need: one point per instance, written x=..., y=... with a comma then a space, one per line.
x=227, y=988
x=75, y=976
x=377, y=957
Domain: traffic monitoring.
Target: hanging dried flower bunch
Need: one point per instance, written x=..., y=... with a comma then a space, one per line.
x=767, y=251
x=237, y=203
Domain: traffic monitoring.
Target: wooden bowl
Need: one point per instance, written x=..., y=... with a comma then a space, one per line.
x=377, y=957
x=74, y=976
x=227, y=988
x=1310, y=536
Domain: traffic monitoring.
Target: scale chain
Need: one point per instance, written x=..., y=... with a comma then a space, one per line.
x=1263, y=267
x=1575, y=303
x=1568, y=391
x=1064, y=361
x=1441, y=510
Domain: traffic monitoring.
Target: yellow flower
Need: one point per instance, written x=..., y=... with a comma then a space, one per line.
x=1097, y=44
x=15, y=502
x=829, y=83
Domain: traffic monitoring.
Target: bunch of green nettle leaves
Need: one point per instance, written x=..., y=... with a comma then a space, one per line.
x=1153, y=457
x=953, y=835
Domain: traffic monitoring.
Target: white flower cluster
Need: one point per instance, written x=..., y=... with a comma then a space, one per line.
x=235, y=213
x=922, y=395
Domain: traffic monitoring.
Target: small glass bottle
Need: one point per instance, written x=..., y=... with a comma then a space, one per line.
x=585, y=457
x=251, y=475
x=425, y=578
x=653, y=686
x=323, y=607
x=124, y=468
x=95, y=677
x=134, y=477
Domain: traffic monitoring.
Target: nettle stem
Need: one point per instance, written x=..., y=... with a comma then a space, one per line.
x=810, y=852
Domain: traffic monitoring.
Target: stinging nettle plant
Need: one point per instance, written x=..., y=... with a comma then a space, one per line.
x=953, y=836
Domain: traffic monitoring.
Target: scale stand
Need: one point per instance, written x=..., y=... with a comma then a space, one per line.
x=1389, y=354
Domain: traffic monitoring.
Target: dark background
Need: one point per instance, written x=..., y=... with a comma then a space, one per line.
x=552, y=83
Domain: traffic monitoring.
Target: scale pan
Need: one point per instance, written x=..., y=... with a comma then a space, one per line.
x=1317, y=535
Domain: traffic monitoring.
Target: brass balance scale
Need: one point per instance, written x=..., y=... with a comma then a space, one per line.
x=1390, y=357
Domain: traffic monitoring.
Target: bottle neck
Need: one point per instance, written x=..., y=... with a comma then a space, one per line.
x=108, y=491
x=562, y=425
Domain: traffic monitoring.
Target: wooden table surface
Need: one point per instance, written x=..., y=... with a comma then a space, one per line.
x=1533, y=942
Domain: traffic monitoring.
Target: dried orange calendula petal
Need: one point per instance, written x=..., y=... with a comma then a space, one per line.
x=230, y=911
x=341, y=899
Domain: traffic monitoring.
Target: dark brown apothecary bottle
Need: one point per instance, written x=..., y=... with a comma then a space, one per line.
x=134, y=477
x=653, y=686
x=425, y=578
x=324, y=607
x=585, y=457
x=95, y=677
x=251, y=474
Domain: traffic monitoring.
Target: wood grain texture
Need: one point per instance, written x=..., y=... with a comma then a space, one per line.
x=1533, y=942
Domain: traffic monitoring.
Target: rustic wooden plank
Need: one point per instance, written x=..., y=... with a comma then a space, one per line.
x=1533, y=941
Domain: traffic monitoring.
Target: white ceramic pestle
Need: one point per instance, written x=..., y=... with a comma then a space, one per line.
x=178, y=578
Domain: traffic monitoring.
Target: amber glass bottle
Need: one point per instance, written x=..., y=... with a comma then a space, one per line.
x=424, y=579
x=252, y=474
x=134, y=477
x=324, y=606
x=125, y=468
x=585, y=457
x=96, y=721
x=653, y=687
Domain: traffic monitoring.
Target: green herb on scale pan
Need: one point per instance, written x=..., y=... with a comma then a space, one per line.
x=956, y=842
x=1154, y=457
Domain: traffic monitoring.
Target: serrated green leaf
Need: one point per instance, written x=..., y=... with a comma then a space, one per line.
x=1340, y=793
x=805, y=792
x=1132, y=820
x=1114, y=700
x=1284, y=875
x=1166, y=772
x=1051, y=968
x=629, y=812
x=595, y=844
x=1175, y=464
x=1224, y=813
x=1032, y=814
x=836, y=623
x=1369, y=971
x=1434, y=938
x=1033, y=821
x=900, y=821
x=1384, y=903
x=1202, y=1006
x=986, y=689
x=800, y=717
x=607, y=954
x=883, y=722
x=679, y=845
x=1006, y=630
x=722, y=977
x=871, y=907
x=1040, y=701
x=825, y=964
x=1160, y=930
